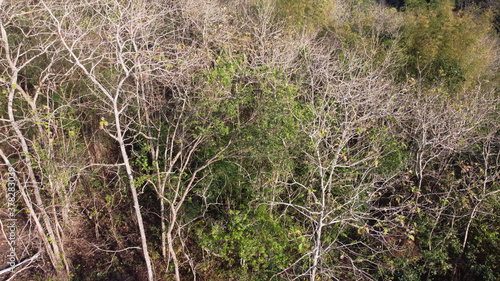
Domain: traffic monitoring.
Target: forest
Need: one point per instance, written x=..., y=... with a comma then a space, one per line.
x=250, y=140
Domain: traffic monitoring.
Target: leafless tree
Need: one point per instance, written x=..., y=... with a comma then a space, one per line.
x=345, y=103
x=445, y=129
x=105, y=35
x=31, y=111
x=136, y=59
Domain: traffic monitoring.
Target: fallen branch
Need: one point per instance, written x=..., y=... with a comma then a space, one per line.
x=11, y=269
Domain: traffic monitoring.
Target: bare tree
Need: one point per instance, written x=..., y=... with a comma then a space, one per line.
x=136, y=60
x=33, y=124
x=455, y=134
x=97, y=36
x=344, y=105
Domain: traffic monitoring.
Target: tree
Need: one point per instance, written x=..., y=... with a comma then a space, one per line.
x=139, y=79
x=109, y=65
x=346, y=109
x=35, y=128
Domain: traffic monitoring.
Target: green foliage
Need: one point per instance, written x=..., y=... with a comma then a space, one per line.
x=445, y=45
x=396, y=110
x=481, y=255
x=250, y=244
x=304, y=14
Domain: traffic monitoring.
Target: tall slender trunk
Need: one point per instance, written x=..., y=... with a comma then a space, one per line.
x=133, y=190
x=163, y=227
x=170, y=241
x=317, y=250
x=52, y=246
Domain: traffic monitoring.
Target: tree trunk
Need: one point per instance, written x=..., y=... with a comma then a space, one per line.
x=135, y=198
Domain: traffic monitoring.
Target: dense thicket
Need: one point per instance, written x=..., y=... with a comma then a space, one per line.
x=251, y=139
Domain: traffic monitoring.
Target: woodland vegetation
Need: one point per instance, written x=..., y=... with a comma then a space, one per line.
x=251, y=139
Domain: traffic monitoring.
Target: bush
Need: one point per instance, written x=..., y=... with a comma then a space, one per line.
x=443, y=44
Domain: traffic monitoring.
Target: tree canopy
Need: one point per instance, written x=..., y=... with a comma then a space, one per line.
x=250, y=139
